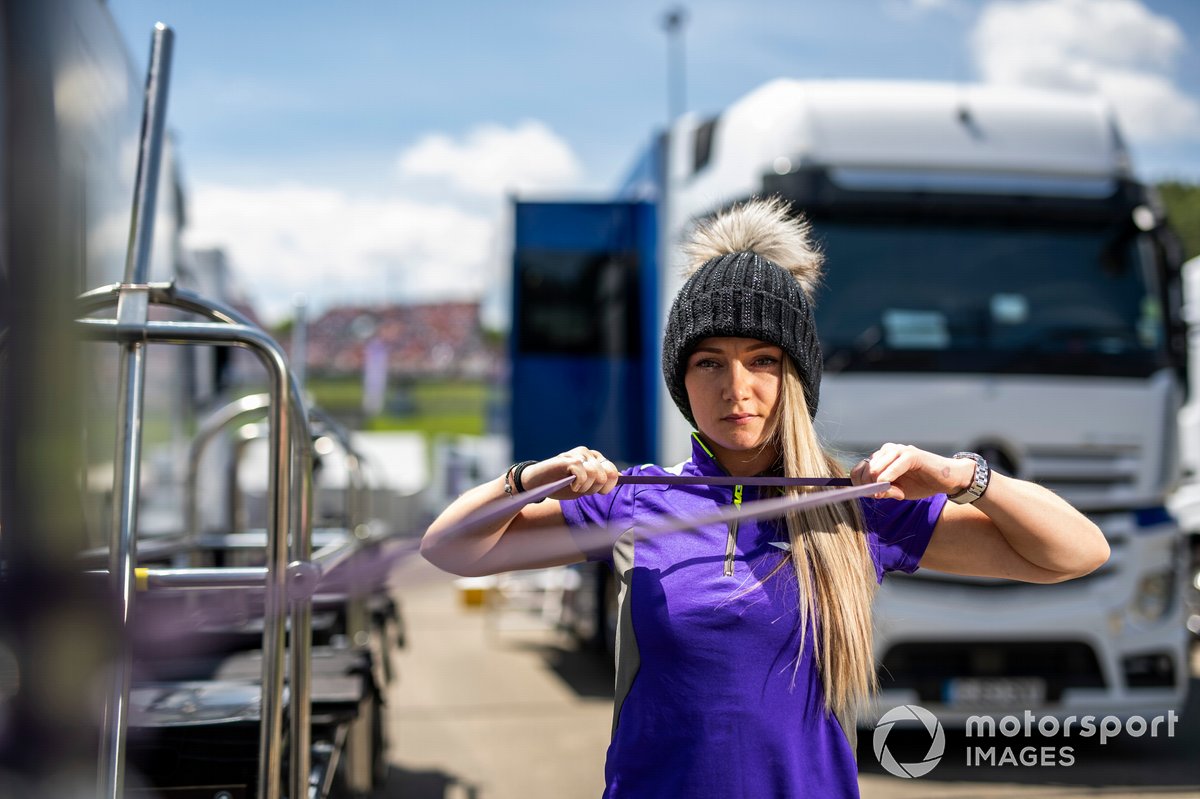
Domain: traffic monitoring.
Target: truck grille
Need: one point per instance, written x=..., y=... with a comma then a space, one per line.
x=1093, y=477
x=926, y=666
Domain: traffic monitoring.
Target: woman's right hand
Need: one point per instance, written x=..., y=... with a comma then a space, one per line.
x=593, y=473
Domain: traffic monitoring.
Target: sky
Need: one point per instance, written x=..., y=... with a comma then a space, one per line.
x=365, y=151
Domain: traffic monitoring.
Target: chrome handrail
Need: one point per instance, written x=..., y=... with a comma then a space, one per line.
x=355, y=607
x=230, y=330
x=213, y=425
x=303, y=578
x=357, y=509
x=245, y=435
x=301, y=549
x=131, y=312
x=209, y=429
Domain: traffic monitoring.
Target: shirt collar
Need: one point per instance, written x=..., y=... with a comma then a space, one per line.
x=703, y=458
x=704, y=461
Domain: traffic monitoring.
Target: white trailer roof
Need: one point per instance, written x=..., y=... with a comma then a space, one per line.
x=910, y=133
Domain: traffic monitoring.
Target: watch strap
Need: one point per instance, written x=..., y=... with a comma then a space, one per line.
x=979, y=484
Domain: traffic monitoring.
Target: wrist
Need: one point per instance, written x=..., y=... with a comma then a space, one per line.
x=965, y=472
x=980, y=475
x=514, y=478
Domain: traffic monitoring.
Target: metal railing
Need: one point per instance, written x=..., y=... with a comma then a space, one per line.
x=132, y=311
x=356, y=492
x=288, y=511
x=208, y=431
x=291, y=573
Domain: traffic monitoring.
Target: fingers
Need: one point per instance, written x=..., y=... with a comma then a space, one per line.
x=611, y=474
x=593, y=472
x=886, y=465
x=863, y=473
x=892, y=461
x=912, y=472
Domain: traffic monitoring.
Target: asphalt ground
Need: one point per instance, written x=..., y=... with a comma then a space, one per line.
x=493, y=705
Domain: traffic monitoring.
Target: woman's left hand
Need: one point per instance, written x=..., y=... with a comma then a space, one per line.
x=913, y=473
x=1017, y=530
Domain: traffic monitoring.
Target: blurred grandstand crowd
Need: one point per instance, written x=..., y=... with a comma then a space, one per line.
x=433, y=340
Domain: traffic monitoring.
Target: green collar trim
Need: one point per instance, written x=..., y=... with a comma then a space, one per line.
x=703, y=446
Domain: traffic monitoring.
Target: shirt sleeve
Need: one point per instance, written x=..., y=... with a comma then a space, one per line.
x=898, y=531
x=596, y=520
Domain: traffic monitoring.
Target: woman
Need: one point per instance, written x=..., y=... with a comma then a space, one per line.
x=744, y=651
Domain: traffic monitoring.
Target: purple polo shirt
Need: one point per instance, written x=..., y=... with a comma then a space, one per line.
x=710, y=701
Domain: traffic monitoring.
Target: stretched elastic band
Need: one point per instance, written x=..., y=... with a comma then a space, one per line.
x=724, y=480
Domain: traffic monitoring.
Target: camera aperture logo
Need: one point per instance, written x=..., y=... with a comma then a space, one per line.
x=937, y=744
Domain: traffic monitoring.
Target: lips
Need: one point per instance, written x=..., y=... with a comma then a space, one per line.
x=738, y=418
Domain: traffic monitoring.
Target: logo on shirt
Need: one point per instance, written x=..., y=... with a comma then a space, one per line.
x=905, y=714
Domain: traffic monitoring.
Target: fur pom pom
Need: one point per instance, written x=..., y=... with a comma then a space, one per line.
x=763, y=226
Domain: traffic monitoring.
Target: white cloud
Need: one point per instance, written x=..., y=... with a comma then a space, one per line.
x=1117, y=47
x=492, y=160
x=335, y=246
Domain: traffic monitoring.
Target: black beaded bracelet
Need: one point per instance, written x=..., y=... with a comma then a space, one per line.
x=516, y=470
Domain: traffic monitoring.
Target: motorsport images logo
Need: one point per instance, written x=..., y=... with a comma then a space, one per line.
x=1050, y=729
x=937, y=745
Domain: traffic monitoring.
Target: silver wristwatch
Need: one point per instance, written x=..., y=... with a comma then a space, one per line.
x=982, y=475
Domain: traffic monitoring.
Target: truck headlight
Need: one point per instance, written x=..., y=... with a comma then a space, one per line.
x=1153, y=598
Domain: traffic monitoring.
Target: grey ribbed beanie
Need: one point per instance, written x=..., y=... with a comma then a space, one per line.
x=745, y=295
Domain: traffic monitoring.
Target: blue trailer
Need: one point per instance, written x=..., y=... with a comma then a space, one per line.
x=585, y=329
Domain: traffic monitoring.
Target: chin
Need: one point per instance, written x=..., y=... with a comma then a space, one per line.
x=741, y=443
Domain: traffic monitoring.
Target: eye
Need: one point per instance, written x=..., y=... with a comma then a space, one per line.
x=766, y=360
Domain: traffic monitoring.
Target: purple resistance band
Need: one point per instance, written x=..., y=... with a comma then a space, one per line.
x=689, y=480
x=506, y=507
x=365, y=571
x=554, y=544
x=362, y=574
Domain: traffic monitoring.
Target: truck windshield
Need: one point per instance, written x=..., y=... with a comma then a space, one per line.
x=975, y=298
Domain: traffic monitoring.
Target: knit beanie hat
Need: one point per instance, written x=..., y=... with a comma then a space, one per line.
x=752, y=272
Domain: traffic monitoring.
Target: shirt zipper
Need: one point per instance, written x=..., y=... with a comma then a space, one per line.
x=731, y=543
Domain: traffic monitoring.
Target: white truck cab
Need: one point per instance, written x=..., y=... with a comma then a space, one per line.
x=994, y=282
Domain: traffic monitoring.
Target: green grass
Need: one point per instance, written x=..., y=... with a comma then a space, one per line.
x=431, y=407
x=335, y=394
x=435, y=394
x=432, y=425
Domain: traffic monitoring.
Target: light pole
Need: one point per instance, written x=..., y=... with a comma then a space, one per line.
x=673, y=22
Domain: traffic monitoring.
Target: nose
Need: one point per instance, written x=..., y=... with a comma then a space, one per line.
x=737, y=384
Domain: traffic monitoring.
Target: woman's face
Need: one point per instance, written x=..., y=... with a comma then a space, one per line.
x=733, y=387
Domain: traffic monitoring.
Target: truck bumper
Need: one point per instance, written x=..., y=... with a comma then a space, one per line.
x=961, y=647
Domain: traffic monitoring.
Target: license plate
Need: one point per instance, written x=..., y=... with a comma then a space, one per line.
x=1020, y=692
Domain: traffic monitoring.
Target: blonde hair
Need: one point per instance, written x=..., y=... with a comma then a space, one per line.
x=833, y=568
